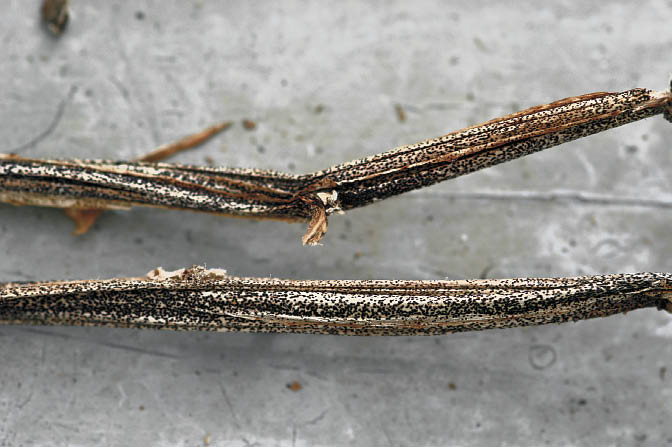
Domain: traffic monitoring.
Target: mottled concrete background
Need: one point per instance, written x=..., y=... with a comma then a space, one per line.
x=321, y=80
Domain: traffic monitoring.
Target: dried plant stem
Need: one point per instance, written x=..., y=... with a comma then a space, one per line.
x=85, y=217
x=84, y=184
x=210, y=300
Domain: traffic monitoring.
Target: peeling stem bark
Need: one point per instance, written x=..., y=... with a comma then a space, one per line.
x=86, y=184
x=210, y=300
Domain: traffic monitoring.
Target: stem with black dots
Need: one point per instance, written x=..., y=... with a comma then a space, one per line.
x=210, y=300
x=86, y=184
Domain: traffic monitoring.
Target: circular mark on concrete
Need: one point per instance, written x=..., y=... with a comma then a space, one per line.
x=542, y=356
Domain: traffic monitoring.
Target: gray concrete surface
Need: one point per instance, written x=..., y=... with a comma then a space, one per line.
x=129, y=76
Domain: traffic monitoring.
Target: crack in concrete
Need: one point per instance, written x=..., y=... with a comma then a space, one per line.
x=551, y=196
x=50, y=128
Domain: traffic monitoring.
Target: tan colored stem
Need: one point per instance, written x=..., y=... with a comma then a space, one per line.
x=312, y=197
x=210, y=300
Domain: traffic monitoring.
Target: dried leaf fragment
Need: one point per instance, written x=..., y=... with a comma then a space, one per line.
x=317, y=226
x=249, y=124
x=83, y=218
x=401, y=113
x=55, y=15
x=295, y=386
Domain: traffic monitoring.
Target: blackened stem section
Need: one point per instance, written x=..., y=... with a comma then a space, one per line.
x=86, y=184
x=205, y=300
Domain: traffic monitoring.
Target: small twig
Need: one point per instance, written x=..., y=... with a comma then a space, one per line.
x=209, y=300
x=189, y=142
x=273, y=195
